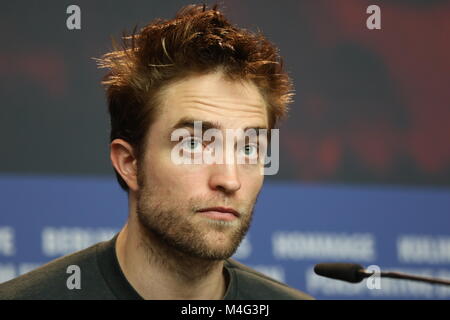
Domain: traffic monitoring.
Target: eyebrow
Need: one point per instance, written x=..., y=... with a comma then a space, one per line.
x=187, y=122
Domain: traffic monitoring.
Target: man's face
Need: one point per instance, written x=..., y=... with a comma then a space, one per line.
x=171, y=195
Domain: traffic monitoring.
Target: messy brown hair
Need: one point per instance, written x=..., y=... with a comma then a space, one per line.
x=198, y=40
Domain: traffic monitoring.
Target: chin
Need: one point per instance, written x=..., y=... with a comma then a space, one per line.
x=222, y=249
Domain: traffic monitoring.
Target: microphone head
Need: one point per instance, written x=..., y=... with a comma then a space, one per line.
x=350, y=272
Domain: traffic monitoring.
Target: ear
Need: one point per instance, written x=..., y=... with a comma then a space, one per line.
x=124, y=161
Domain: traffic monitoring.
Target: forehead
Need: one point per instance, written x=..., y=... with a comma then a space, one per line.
x=211, y=97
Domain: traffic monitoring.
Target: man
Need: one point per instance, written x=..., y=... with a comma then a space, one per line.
x=185, y=220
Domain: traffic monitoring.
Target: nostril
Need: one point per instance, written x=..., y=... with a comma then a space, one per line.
x=225, y=182
x=223, y=189
x=228, y=187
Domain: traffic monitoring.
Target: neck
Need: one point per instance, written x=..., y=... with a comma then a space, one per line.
x=157, y=271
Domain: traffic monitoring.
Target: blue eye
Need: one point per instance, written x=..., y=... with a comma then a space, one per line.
x=250, y=150
x=192, y=145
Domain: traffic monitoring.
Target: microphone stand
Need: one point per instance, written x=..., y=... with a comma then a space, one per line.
x=405, y=276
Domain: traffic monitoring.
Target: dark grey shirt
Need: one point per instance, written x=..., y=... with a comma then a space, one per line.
x=102, y=278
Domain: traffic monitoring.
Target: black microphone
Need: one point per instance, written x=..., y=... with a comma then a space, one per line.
x=350, y=272
x=354, y=273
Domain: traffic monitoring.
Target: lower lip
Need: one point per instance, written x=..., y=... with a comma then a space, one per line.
x=218, y=215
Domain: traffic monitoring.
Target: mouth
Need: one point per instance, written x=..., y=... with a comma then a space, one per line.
x=220, y=213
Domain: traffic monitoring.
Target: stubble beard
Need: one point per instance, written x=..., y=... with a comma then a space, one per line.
x=181, y=233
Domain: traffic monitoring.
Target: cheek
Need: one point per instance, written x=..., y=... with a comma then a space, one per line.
x=172, y=178
x=252, y=182
x=258, y=184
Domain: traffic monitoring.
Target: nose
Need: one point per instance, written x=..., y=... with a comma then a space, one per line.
x=225, y=178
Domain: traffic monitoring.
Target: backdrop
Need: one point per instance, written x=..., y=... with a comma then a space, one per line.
x=364, y=156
